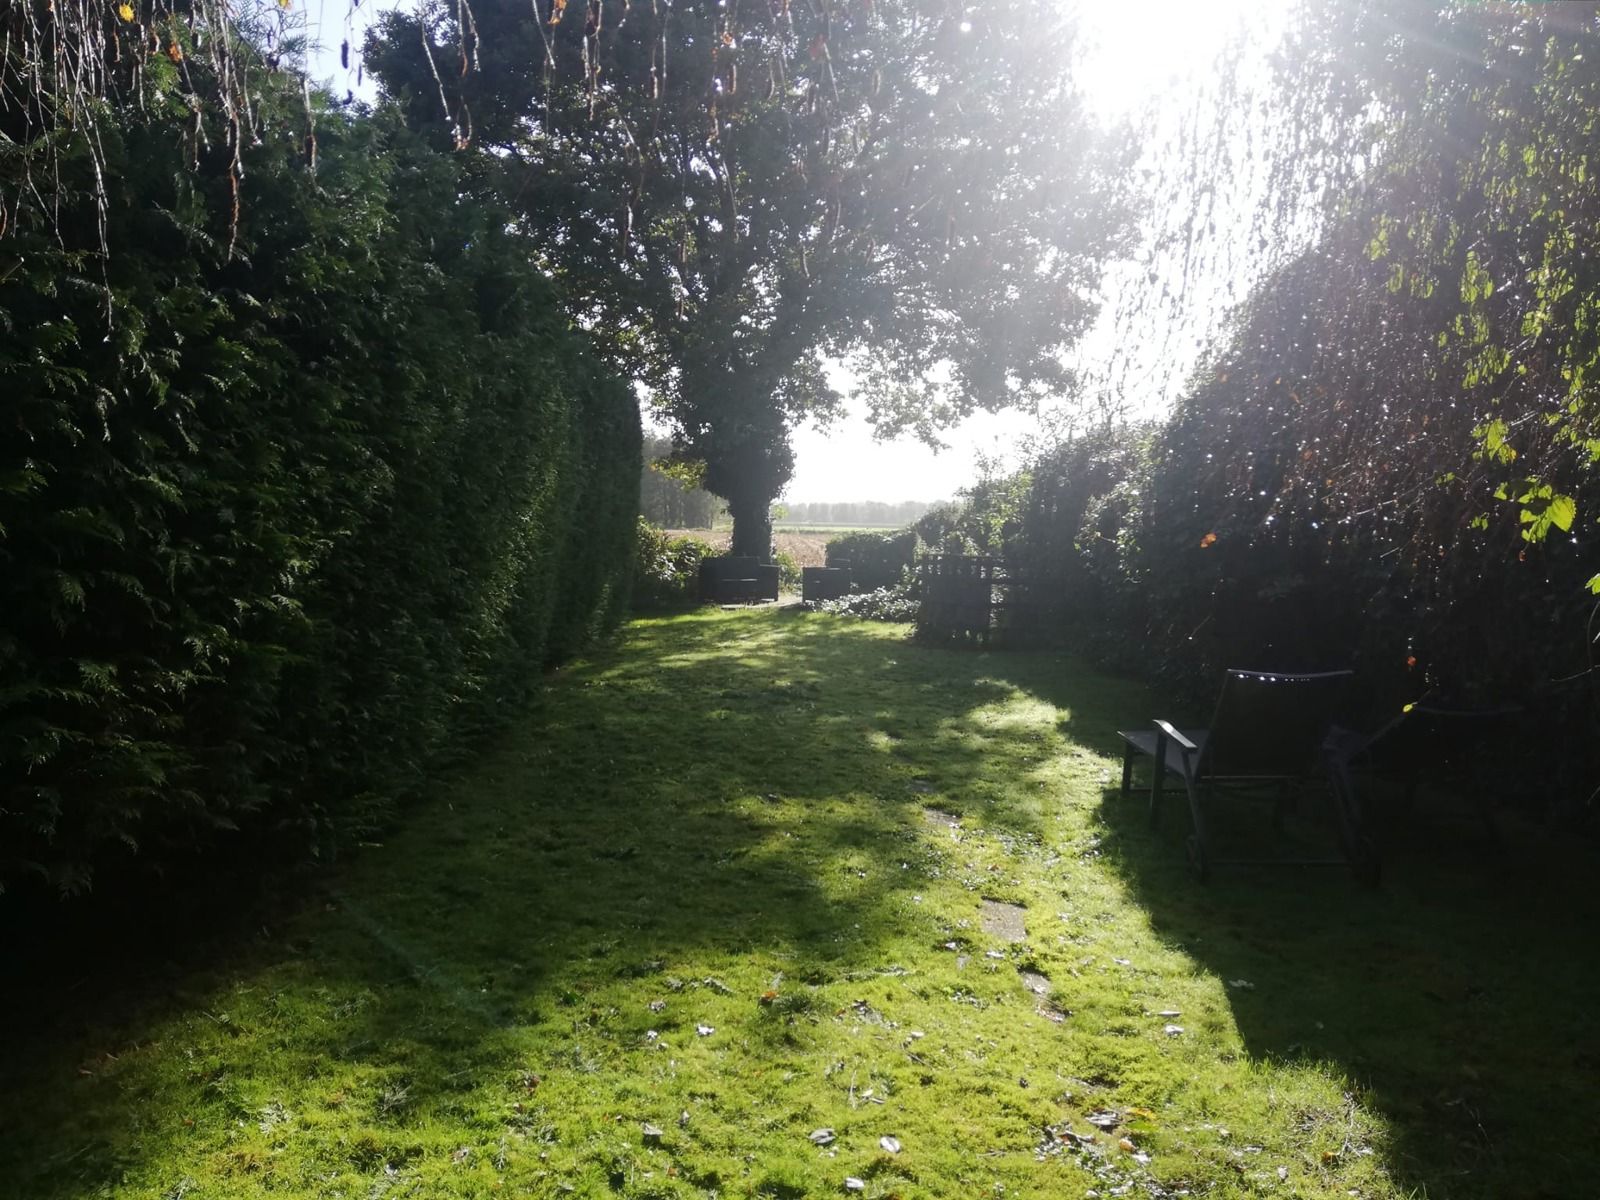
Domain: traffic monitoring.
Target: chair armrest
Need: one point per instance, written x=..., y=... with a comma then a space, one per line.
x=1184, y=744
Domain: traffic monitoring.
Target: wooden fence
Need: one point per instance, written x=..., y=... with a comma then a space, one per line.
x=967, y=597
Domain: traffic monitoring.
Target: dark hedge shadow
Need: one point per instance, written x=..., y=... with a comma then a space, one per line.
x=1455, y=996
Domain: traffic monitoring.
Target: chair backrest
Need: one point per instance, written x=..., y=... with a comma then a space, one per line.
x=1268, y=723
x=729, y=566
x=1430, y=737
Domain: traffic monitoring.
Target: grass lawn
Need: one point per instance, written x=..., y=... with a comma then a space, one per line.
x=700, y=929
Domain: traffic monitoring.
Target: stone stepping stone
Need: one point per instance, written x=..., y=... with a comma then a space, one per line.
x=1003, y=920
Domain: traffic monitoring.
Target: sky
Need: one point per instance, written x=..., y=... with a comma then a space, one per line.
x=1146, y=60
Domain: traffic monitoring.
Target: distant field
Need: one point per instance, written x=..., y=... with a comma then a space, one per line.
x=809, y=548
x=802, y=527
x=808, y=544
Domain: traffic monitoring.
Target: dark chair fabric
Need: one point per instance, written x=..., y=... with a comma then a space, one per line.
x=1267, y=732
x=737, y=579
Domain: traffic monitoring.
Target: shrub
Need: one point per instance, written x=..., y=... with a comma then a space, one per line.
x=882, y=604
x=876, y=560
x=789, y=578
x=666, y=568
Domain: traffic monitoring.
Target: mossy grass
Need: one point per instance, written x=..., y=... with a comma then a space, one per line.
x=724, y=891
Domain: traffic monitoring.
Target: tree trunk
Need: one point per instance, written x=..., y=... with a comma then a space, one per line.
x=752, y=525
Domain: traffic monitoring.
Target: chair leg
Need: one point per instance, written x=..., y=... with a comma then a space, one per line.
x=1158, y=777
x=1280, y=806
x=1199, y=845
x=1360, y=850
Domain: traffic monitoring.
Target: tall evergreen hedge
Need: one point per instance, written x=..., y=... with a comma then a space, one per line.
x=279, y=525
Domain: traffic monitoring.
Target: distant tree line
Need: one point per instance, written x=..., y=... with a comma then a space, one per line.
x=669, y=500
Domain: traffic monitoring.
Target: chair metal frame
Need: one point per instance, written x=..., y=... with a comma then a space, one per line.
x=1267, y=732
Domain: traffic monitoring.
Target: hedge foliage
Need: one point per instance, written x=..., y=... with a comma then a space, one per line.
x=1299, y=512
x=280, y=526
x=666, y=570
x=876, y=560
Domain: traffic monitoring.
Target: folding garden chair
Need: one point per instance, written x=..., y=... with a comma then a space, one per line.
x=1267, y=734
x=1427, y=743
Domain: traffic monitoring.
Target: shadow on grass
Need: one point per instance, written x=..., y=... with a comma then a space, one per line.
x=717, y=801
x=646, y=818
x=1456, y=998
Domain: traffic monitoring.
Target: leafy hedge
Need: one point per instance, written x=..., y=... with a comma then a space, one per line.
x=667, y=569
x=1300, y=510
x=893, y=604
x=876, y=560
x=280, y=526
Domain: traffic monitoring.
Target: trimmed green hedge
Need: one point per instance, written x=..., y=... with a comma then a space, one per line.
x=280, y=527
x=876, y=560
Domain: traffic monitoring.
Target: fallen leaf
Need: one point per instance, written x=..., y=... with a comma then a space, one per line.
x=1208, y=541
x=125, y=11
x=1126, y=1146
x=768, y=997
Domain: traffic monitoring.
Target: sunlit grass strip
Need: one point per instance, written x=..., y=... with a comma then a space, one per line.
x=700, y=927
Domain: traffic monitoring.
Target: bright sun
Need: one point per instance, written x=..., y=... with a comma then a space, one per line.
x=1142, y=51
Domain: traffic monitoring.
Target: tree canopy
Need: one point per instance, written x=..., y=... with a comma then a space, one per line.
x=731, y=196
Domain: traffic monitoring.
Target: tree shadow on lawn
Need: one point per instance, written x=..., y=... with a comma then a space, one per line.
x=1457, y=997
x=732, y=793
